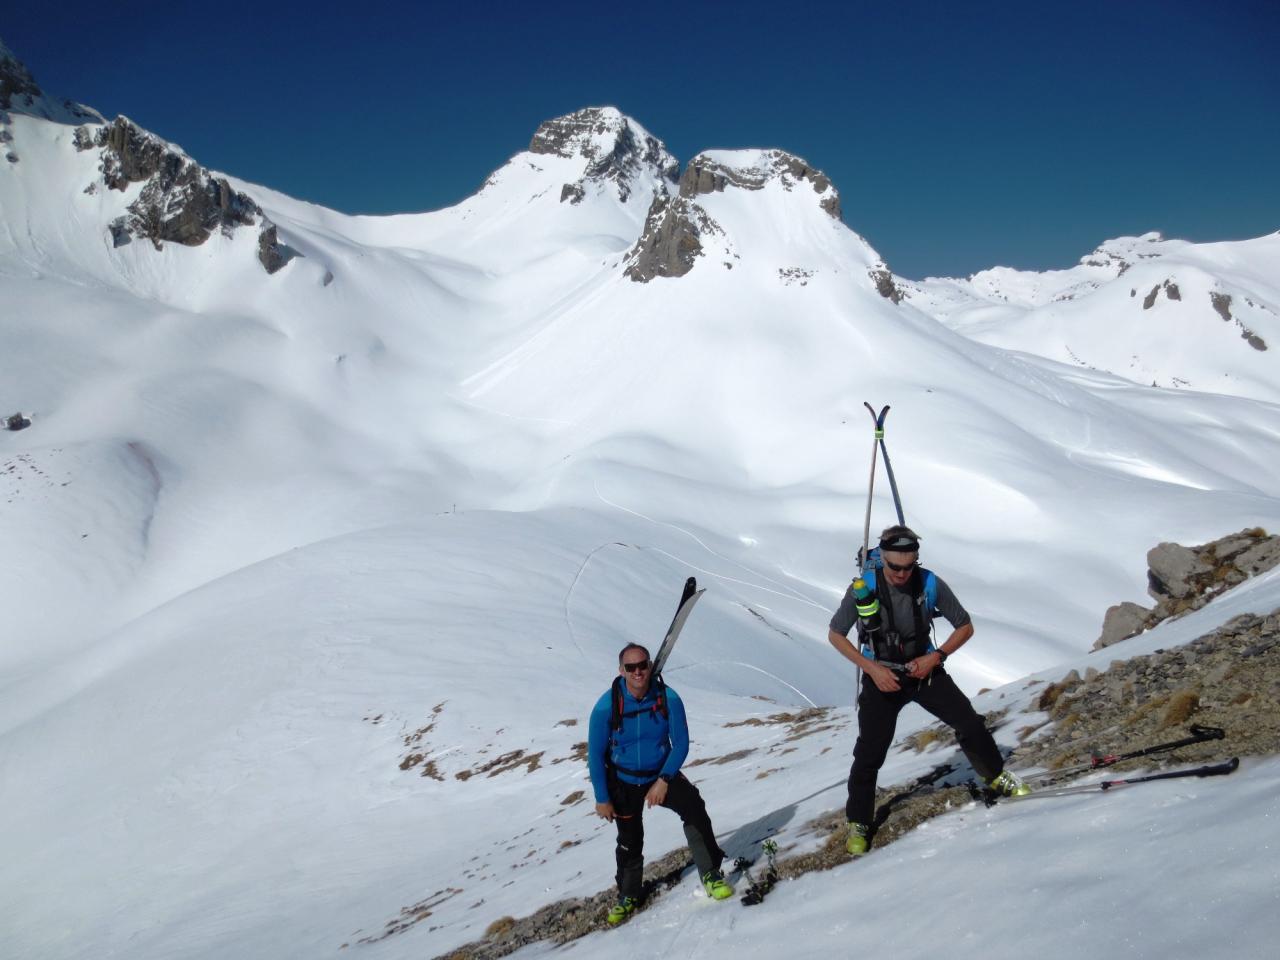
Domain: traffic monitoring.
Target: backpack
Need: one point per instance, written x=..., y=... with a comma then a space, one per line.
x=923, y=587
x=616, y=714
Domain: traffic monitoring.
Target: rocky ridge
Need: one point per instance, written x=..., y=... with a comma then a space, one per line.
x=20, y=93
x=1181, y=579
x=180, y=201
x=676, y=227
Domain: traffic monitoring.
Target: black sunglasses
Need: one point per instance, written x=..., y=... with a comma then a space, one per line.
x=898, y=568
x=637, y=667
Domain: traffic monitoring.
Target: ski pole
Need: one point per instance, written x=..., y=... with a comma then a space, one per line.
x=1199, y=734
x=1210, y=770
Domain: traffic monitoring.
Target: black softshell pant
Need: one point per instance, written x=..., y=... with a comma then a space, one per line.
x=628, y=809
x=878, y=717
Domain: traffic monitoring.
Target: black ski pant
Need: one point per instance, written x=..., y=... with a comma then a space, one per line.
x=878, y=717
x=628, y=814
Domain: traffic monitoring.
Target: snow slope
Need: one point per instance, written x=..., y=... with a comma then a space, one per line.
x=297, y=564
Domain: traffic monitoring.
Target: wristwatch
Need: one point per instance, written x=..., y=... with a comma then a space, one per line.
x=942, y=655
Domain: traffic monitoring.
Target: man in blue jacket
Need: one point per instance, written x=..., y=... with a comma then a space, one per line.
x=636, y=742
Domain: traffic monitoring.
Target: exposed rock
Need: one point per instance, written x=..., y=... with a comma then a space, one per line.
x=671, y=240
x=1222, y=303
x=1121, y=622
x=1149, y=300
x=271, y=252
x=705, y=175
x=16, y=421
x=20, y=93
x=1171, y=291
x=16, y=82
x=1170, y=566
x=180, y=201
x=882, y=277
x=1182, y=579
x=616, y=149
x=1259, y=557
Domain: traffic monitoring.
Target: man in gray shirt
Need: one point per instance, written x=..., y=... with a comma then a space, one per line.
x=893, y=608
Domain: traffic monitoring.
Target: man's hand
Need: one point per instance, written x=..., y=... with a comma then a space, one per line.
x=657, y=793
x=883, y=678
x=921, y=667
x=605, y=811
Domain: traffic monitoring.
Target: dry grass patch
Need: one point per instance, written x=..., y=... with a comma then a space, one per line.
x=727, y=758
x=500, y=927
x=1181, y=706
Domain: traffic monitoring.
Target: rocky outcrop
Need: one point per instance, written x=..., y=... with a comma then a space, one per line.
x=705, y=174
x=1181, y=579
x=882, y=277
x=616, y=150
x=180, y=201
x=671, y=241
x=1222, y=305
x=16, y=421
x=20, y=93
x=273, y=254
x=1170, y=289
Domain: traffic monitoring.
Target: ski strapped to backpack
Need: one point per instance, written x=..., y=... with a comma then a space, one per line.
x=688, y=597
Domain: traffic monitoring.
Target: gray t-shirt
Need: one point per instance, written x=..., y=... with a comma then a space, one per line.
x=903, y=617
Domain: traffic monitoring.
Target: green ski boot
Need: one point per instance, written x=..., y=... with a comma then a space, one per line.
x=717, y=887
x=1009, y=785
x=857, y=843
x=621, y=910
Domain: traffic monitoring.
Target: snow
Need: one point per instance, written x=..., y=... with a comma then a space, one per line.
x=270, y=538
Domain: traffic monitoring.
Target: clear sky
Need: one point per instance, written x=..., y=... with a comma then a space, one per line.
x=960, y=135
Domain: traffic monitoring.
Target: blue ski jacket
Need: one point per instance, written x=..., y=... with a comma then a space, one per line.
x=648, y=743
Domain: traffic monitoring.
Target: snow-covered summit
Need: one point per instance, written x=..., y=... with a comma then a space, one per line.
x=713, y=170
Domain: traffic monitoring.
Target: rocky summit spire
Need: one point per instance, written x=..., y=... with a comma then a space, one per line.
x=20, y=93
x=616, y=149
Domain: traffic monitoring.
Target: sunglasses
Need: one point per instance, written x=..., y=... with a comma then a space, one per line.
x=638, y=667
x=898, y=568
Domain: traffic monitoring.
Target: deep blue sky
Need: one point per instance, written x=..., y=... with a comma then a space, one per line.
x=961, y=135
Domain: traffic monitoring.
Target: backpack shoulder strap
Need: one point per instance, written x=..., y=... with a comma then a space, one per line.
x=615, y=715
x=930, y=592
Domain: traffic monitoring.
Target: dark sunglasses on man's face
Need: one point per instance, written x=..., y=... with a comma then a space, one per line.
x=637, y=667
x=897, y=568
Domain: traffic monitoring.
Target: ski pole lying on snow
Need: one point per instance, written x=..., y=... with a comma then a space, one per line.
x=1199, y=734
x=1211, y=770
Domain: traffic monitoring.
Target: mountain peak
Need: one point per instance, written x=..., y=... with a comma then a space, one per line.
x=615, y=147
x=20, y=93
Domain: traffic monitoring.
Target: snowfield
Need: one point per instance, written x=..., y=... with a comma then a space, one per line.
x=311, y=579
